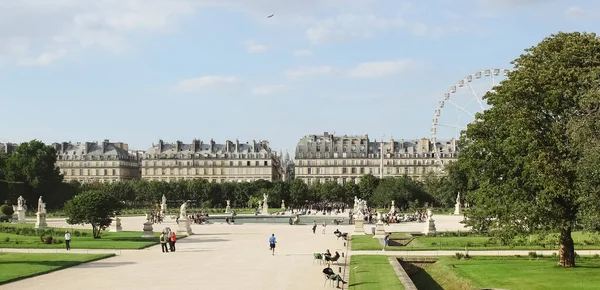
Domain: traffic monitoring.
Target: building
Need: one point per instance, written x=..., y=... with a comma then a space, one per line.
x=8, y=147
x=96, y=162
x=346, y=158
x=286, y=167
x=229, y=162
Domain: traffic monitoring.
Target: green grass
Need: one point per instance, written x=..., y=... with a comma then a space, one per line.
x=509, y=273
x=108, y=240
x=583, y=241
x=372, y=273
x=16, y=266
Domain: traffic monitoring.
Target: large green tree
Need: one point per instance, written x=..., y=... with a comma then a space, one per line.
x=522, y=152
x=92, y=207
x=33, y=163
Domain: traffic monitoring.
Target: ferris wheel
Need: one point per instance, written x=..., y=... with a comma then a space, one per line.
x=458, y=108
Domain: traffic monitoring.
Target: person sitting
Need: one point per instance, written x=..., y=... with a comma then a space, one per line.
x=334, y=258
x=337, y=232
x=327, y=255
x=330, y=274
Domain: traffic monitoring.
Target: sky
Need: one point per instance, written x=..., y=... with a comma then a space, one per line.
x=137, y=71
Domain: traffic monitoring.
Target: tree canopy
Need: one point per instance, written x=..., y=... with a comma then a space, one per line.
x=92, y=207
x=526, y=154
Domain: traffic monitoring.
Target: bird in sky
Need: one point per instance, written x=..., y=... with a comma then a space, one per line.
x=270, y=15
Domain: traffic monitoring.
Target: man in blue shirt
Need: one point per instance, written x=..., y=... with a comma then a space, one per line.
x=272, y=242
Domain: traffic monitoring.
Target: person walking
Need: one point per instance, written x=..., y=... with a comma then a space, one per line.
x=172, y=241
x=163, y=242
x=314, y=228
x=68, y=241
x=272, y=242
x=324, y=226
x=386, y=240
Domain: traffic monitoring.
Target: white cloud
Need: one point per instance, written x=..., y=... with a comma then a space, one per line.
x=302, y=52
x=575, y=12
x=268, y=89
x=348, y=26
x=39, y=32
x=205, y=82
x=252, y=47
x=376, y=69
x=309, y=71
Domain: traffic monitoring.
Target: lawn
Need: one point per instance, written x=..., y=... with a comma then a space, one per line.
x=25, y=236
x=508, y=273
x=418, y=242
x=372, y=273
x=16, y=266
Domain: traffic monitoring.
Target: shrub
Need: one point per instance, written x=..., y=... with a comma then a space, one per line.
x=6, y=210
x=596, y=256
x=46, y=239
x=533, y=255
x=459, y=256
x=6, y=239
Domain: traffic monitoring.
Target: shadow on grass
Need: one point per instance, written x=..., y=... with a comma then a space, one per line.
x=361, y=283
x=423, y=280
x=129, y=239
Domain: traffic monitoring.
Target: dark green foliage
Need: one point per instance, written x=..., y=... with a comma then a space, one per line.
x=534, y=155
x=6, y=210
x=92, y=207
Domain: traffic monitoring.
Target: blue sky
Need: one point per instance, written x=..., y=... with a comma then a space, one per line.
x=138, y=71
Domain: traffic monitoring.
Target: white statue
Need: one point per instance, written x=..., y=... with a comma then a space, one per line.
x=164, y=200
x=265, y=198
x=379, y=217
x=41, y=206
x=283, y=204
x=458, y=198
x=183, y=210
x=228, y=203
x=20, y=202
x=393, y=204
x=429, y=213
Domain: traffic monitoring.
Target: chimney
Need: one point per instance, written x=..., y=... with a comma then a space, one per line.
x=237, y=145
x=196, y=145
x=104, y=145
x=212, y=145
x=177, y=146
x=227, y=142
x=161, y=145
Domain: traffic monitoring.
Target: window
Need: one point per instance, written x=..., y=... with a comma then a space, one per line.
x=344, y=170
x=309, y=171
x=256, y=163
x=247, y=163
x=353, y=170
x=114, y=172
x=362, y=170
x=266, y=163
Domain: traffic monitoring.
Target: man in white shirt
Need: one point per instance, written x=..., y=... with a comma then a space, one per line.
x=68, y=240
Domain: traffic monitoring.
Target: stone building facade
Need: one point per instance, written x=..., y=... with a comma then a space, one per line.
x=346, y=158
x=8, y=147
x=228, y=162
x=88, y=162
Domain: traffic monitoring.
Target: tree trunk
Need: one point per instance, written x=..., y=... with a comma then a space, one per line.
x=96, y=232
x=566, y=252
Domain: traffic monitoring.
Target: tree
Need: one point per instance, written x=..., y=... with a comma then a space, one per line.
x=367, y=185
x=298, y=192
x=522, y=153
x=92, y=207
x=33, y=163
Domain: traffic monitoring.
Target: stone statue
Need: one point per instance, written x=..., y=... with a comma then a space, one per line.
x=228, y=203
x=20, y=202
x=283, y=204
x=379, y=217
x=183, y=210
x=265, y=198
x=458, y=198
x=164, y=200
x=393, y=203
x=148, y=217
x=41, y=206
x=429, y=213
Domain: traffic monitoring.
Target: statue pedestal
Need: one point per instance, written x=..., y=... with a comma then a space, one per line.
x=457, y=209
x=265, y=209
x=19, y=216
x=228, y=209
x=41, y=221
x=184, y=227
x=148, y=230
x=430, y=227
x=116, y=227
x=359, y=226
x=379, y=231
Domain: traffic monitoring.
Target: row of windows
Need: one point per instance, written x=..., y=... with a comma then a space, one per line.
x=362, y=170
x=206, y=171
x=207, y=155
x=205, y=163
x=99, y=172
x=364, y=155
x=212, y=180
x=98, y=164
x=365, y=162
x=95, y=157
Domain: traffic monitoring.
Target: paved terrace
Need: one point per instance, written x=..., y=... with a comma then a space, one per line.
x=219, y=256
